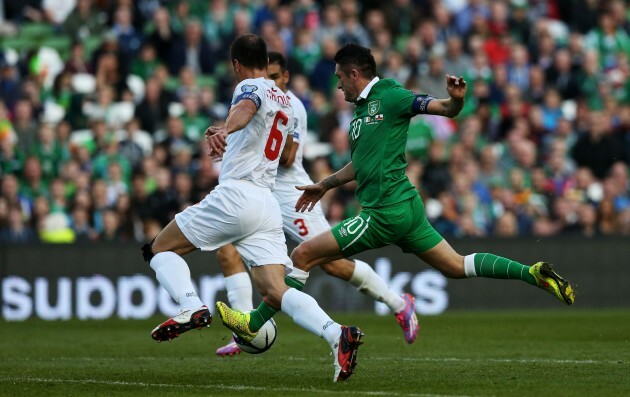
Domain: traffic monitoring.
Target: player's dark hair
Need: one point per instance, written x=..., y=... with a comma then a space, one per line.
x=353, y=56
x=250, y=51
x=278, y=59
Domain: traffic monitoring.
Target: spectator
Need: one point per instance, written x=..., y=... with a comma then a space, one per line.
x=340, y=155
x=195, y=123
x=126, y=218
x=57, y=199
x=306, y=50
x=608, y=40
x=432, y=81
x=83, y=21
x=436, y=177
x=111, y=228
x=146, y=63
x=192, y=51
x=322, y=77
x=11, y=158
x=129, y=40
x=9, y=83
x=332, y=26
x=596, y=149
x=110, y=155
x=456, y=62
x=163, y=201
x=162, y=36
x=33, y=183
x=506, y=226
x=401, y=17
x=81, y=227
x=518, y=70
x=25, y=125
x=608, y=219
x=17, y=231
x=587, y=218
x=562, y=77
x=153, y=109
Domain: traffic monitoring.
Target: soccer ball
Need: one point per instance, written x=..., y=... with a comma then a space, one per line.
x=262, y=342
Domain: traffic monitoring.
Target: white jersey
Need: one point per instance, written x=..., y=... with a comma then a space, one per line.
x=253, y=153
x=295, y=175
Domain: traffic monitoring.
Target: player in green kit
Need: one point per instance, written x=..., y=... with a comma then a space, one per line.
x=392, y=211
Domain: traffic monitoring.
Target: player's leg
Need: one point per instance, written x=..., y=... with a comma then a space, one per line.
x=427, y=244
x=172, y=272
x=302, y=227
x=237, y=282
x=304, y=310
x=367, y=281
x=268, y=246
x=451, y=264
x=238, y=287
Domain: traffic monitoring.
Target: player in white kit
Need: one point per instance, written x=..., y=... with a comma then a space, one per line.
x=242, y=211
x=303, y=226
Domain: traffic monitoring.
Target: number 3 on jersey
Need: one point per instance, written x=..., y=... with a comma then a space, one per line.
x=302, y=229
x=272, y=149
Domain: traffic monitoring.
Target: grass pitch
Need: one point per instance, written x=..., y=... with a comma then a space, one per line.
x=553, y=353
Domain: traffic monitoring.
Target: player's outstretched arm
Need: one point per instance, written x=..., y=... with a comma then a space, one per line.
x=240, y=115
x=313, y=193
x=456, y=88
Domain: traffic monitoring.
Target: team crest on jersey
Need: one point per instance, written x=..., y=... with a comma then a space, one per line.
x=373, y=107
x=248, y=88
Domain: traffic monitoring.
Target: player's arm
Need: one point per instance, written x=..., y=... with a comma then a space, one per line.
x=456, y=88
x=313, y=193
x=287, y=157
x=240, y=115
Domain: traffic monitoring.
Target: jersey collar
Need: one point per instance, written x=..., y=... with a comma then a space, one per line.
x=366, y=91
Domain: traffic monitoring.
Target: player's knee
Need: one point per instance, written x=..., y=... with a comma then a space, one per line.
x=454, y=268
x=160, y=244
x=300, y=256
x=226, y=257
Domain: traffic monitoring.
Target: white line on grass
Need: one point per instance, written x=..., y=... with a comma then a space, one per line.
x=218, y=386
x=417, y=359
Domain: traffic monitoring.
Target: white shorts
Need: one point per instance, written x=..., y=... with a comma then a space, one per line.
x=240, y=213
x=302, y=226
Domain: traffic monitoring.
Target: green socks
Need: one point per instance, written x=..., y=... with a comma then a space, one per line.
x=493, y=266
x=264, y=312
x=258, y=317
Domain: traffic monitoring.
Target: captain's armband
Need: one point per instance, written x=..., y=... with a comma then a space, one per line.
x=421, y=103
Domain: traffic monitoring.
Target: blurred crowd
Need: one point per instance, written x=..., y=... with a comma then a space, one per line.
x=103, y=106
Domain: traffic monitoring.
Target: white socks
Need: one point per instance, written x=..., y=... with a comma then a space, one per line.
x=306, y=313
x=368, y=282
x=174, y=275
x=239, y=291
x=299, y=275
x=469, y=265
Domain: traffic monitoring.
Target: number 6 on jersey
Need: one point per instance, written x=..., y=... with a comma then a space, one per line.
x=272, y=148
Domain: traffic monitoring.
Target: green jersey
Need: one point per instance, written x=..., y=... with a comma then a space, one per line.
x=378, y=136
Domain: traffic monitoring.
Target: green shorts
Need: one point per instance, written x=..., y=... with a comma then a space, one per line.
x=403, y=224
